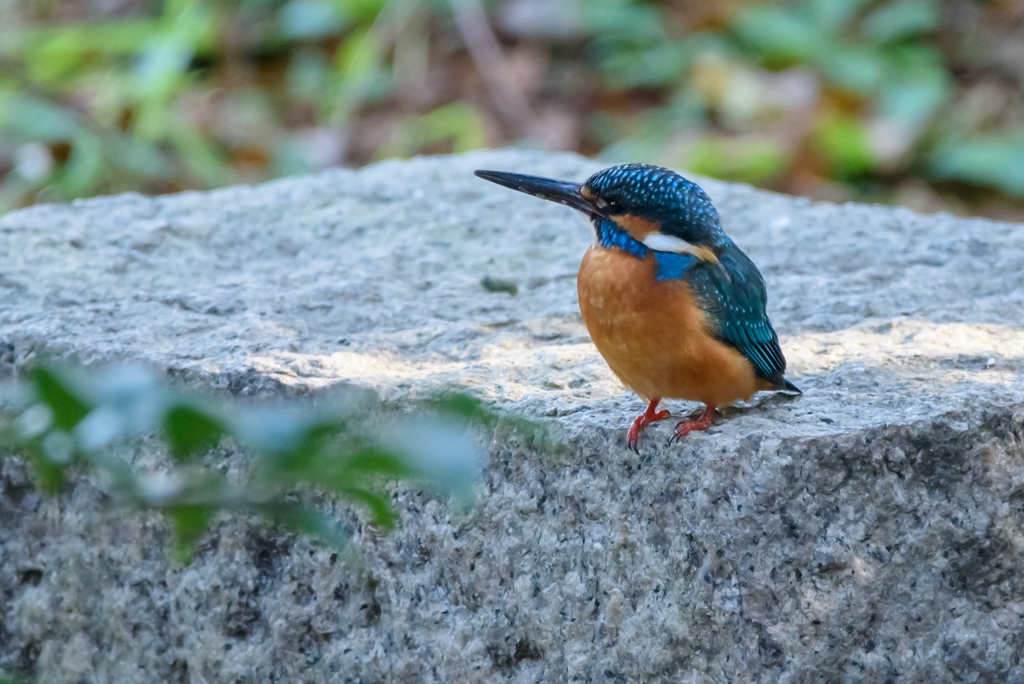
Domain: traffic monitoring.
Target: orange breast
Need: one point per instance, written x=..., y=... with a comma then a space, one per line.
x=653, y=334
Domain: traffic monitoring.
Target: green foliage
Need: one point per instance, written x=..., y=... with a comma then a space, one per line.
x=880, y=99
x=64, y=418
x=189, y=431
x=780, y=36
x=755, y=160
x=457, y=123
x=874, y=55
x=194, y=94
x=846, y=146
x=901, y=20
x=66, y=409
x=539, y=437
x=632, y=46
x=993, y=160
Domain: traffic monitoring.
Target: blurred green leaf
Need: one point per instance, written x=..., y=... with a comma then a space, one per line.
x=458, y=405
x=33, y=423
x=81, y=174
x=779, y=35
x=136, y=157
x=310, y=19
x=462, y=405
x=856, y=69
x=189, y=523
x=68, y=408
x=614, y=22
x=206, y=164
x=844, y=142
x=375, y=462
x=58, y=447
x=50, y=474
x=363, y=11
x=916, y=86
x=308, y=74
x=284, y=432
x=913, y=101
x=379, y=503
x=160, y=71
x=161, y=64
x=357, y=62
x=32, y=118
x=899, y=20
x=38, y=43
x=631, y=44
x=458, y=122
x=303, y=520
x=190, y=431
x=73, y=417
x=648, y=66
x=745, y=160
x=995, y=161
x=438, y=451
x=832, y=16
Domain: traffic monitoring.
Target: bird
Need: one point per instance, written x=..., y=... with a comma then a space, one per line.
x=674, y=306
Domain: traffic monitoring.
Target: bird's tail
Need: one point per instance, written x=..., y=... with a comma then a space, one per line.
x=790, y=387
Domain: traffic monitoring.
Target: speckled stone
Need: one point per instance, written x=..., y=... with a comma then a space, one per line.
x=870, y=531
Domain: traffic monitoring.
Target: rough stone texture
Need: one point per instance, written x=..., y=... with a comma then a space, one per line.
x=871, y=530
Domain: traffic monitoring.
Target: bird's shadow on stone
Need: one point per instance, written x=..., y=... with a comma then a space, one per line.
x=759, y=402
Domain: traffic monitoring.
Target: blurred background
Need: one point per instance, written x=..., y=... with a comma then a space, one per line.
x=914, y=102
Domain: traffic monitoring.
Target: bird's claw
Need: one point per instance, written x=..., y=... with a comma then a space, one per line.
x=685, y=427
x=633, y=436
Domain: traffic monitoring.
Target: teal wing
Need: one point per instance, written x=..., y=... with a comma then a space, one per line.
x=733, y=295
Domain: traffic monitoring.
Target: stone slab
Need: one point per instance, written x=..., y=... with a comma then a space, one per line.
x=868, y=531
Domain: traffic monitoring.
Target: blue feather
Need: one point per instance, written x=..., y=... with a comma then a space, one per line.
x=734, y=298
x=610, y=235
x=672, y=266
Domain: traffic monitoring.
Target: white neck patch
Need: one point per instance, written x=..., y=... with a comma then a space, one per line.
x=590, y=226
x=660, y=242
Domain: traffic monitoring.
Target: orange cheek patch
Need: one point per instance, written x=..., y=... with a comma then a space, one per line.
x=707, y=254
x=638, y=227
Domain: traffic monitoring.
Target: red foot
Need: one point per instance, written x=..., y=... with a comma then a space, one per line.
x=651, y=415
x=685, y=427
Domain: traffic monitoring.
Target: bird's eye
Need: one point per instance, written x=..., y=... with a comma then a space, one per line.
x=615, y=207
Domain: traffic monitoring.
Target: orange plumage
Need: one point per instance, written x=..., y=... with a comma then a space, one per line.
x=654, y=335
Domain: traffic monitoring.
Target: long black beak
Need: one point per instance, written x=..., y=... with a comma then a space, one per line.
x=559, y=191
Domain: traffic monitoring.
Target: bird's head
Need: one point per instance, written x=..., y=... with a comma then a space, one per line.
x=654, y=205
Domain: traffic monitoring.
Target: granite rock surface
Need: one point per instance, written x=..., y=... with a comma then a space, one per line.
x=871, y=530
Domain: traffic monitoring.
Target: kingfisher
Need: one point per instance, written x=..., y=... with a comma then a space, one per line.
x=676, y=309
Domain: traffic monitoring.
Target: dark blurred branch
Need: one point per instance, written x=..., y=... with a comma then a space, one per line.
x=490, y=62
